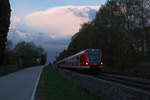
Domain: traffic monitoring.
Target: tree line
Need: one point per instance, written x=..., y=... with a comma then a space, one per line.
x=121, y=29
x=24, y=54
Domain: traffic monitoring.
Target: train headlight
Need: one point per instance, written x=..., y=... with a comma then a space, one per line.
x=86, y=63
x=101, y=62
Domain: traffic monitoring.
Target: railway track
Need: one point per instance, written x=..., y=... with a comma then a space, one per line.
x=131, y=82
x=137, y=83
x=110, y=86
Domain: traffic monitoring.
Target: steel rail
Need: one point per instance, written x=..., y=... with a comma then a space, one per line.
x=128, y=81
x=133, y=82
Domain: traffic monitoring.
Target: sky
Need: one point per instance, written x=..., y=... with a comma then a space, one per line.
x=23, y=7
x=50, y=23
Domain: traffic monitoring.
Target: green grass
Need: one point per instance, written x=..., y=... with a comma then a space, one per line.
x=58, y=87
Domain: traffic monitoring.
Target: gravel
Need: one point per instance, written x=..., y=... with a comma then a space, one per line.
x=106, y=89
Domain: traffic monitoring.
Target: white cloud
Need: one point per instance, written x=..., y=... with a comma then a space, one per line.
x=51, y=46
x=51, y=28
x=14, y=21
x=60, y=22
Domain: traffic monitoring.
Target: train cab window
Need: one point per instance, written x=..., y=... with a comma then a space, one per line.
x=94, y=55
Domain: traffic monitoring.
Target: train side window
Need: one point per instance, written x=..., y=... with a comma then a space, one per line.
x=79, y=58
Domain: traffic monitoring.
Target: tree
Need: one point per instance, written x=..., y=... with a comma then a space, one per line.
x=4, y=26
x=27, y=54
x=9, y=54
x=43, y=59
x=120, y=30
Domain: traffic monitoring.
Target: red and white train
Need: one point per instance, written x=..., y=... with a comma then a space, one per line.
x=86, y=59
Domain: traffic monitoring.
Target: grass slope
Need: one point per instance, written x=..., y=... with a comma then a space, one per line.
x=59, y=88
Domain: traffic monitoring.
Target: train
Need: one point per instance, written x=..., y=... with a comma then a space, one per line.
x=87, y=59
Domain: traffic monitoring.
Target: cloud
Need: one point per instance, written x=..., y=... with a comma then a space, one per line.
x=14, y=21
x=51, y=46
x=51, y=28
x=60, y=22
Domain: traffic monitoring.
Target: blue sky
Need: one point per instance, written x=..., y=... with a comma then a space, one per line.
x=33, y=21
x=21, y=8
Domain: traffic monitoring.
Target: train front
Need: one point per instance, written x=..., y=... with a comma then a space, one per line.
x=94, y=58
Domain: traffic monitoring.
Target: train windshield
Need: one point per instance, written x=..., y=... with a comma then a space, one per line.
x=94, y=55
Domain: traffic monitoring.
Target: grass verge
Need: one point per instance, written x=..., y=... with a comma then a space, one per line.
x=58, y=87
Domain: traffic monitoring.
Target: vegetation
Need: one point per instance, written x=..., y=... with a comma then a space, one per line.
x=23, y=55
x=26, y=54
x=121, y=30
x=4, y=26
x=57, y=87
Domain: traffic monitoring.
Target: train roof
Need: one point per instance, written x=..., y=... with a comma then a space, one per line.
x=79, y=53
